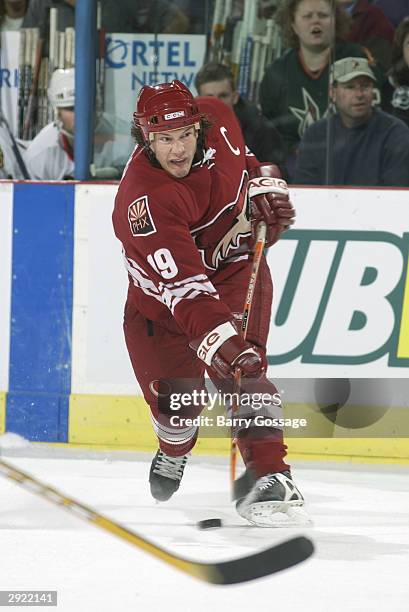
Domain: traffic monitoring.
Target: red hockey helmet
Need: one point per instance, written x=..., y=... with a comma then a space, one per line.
x=167, y=106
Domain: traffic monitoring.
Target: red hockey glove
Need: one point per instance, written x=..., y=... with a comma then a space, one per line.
x=224, y=350
x=269, y=202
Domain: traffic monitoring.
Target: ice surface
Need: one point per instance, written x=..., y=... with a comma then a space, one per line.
x=361, y=532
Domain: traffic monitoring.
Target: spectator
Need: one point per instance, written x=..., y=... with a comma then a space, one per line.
x=260, y=135
x=371, y=29
x=360, y=145
x=12, y=14
x=147, y=16
x=125, y=16
x=198, y=14
x=266, y=9
x=294, y=90
x=395, y=95
x=395, y=10
x=50, y=156
x=37, y=15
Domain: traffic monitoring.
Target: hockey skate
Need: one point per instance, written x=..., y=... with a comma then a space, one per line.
x=274, y=501
x=165, y=475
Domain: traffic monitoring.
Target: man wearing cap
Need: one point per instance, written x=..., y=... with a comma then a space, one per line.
x=359, y=144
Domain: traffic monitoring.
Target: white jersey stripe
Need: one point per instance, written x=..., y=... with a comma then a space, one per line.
x=170, y=294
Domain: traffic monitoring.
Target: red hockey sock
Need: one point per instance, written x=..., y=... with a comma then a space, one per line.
x=177, y=450
x=263, y=450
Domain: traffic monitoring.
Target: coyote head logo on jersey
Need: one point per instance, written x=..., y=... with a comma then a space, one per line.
x=221, y=238
x=140, y=219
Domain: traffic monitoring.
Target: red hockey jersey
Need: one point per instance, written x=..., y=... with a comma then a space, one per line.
x=182, y=237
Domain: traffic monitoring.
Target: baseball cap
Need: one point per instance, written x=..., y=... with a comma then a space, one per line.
x=350, y=67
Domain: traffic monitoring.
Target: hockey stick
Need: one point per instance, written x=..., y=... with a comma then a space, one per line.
x=31, y=34
x=269, y=561
x=52, y=54
x=22, y=76
x=258, y=252
x=28, y=128
x=100, y=88
x=42, y=115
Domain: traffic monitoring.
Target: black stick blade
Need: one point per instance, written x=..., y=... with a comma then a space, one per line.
x=269, y=561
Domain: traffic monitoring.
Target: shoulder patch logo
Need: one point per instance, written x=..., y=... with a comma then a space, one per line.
x=140, y=219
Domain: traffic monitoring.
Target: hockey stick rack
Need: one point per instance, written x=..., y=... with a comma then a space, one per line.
x=243, y=569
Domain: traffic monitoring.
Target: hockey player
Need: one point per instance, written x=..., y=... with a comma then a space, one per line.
x=50, y=155
x=182, y=215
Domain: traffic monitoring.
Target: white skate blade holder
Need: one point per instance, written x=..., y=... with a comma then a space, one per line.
x=274, y=501
x=276, y=514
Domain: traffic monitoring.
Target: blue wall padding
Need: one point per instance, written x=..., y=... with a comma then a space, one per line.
x=40, y=354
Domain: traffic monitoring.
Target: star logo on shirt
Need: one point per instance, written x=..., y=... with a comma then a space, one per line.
x=307, y=115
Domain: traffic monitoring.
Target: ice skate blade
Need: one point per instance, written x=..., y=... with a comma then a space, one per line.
x=276, y=514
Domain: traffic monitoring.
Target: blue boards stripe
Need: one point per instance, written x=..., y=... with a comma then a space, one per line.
x=41, y=311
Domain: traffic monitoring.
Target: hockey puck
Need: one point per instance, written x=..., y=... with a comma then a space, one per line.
x=209, y=523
